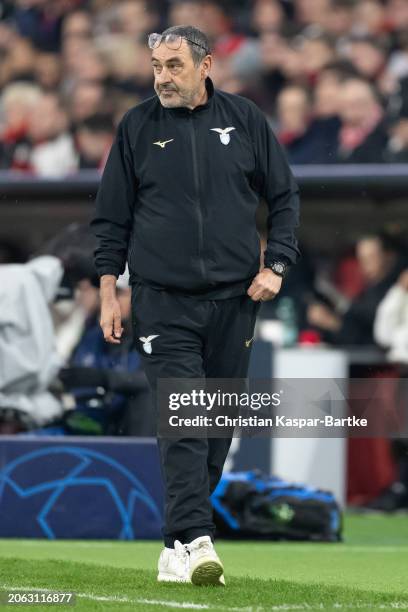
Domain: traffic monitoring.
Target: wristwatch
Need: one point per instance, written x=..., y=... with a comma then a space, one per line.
x=278, y=267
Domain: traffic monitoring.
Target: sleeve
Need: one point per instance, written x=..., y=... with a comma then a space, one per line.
x=112, y=221
x=356, y=327
x=389, y=321
x=274, y=182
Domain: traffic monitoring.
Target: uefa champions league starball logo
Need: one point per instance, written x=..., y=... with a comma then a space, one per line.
x=58, y=486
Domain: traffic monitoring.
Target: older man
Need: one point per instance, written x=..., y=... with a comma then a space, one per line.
x=177, y=201
x=362, y=137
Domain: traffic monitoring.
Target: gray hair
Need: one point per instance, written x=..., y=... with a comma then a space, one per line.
x=196, y=40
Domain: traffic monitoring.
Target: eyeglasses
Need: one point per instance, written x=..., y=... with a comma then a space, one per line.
x=172, y=41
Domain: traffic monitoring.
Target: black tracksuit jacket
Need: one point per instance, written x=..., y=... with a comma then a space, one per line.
x=182, y=212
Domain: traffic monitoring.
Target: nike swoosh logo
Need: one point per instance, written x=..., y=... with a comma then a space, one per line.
x=248, y=342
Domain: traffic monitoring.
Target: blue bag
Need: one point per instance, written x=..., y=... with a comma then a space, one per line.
x=253, y=505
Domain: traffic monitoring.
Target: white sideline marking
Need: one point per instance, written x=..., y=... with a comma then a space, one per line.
x=394, y=605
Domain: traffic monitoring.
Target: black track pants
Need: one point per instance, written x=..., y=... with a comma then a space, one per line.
x=194, y=339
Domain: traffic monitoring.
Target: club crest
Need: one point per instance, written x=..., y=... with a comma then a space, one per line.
x=224, y=134
x=147, y=343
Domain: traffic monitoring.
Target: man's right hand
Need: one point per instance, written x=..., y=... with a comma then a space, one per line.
x=111, y=319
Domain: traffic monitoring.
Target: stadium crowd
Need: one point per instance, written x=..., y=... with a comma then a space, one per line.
x=332, y=75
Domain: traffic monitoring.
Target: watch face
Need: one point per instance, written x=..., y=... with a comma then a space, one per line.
x=277, y=267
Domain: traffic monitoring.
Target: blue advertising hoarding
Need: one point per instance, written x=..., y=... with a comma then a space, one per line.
x=76, y=487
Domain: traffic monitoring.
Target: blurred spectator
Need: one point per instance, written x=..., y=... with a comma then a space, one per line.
x=77, y=25
x=328, y=88
x=94, y=137
x=391, y=322
x=89, y=64
x=136, y=18
x=391, y=332
x=397, y=67
x=307, y=140
x=339, y=20
x=52, y=149
x=369, y=56
x=316, y=50
x=86, y=100
x=294, y=112
x=217, y=23
x=48, y=71
x=273, y=49
x=326, y=97
x=312, y=11
x=185, y=11
x=18, y=101
x=397, y=14
x=397, y=151
x=369, y=17
x=19, y=62
x=267, y=16
x=72, y=51
x=363, y=137
x=380, y=265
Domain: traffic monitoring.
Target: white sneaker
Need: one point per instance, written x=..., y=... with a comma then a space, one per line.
x=205, y=565
x=173, y=564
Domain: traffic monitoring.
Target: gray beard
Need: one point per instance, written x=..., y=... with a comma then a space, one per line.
x=184, y=100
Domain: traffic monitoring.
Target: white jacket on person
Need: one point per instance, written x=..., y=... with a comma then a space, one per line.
x=28, y=357
x=54, y=158
x=391, y=324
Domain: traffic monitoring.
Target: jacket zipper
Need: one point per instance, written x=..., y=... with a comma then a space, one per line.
x=198, y=199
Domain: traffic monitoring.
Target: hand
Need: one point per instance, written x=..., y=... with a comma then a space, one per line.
x=321, y=316
x=265, y=286
x=111, y=320
x=403, y=280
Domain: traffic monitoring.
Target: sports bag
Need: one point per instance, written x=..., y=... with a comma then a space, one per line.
x=253, y=505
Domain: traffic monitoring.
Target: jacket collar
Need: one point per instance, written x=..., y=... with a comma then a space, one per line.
x=183, y=110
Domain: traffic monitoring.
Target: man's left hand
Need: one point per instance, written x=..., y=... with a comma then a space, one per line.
x=265, y=286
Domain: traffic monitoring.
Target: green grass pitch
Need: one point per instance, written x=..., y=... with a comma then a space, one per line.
x=368, y=571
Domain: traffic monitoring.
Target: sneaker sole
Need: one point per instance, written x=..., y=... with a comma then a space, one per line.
x=171, y=578
x=207, y=572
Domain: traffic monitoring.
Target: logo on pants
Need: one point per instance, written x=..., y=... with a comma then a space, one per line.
x=147, y=343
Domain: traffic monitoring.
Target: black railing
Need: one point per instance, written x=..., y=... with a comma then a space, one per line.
x=385, y=181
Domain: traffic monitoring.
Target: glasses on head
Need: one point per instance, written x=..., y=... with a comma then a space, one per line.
x=172, y=41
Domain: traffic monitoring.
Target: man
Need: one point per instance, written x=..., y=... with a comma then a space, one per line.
x=307, y=139
x=178, y=200
x=362, y=136
x=94, y=137
x=380, y=266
